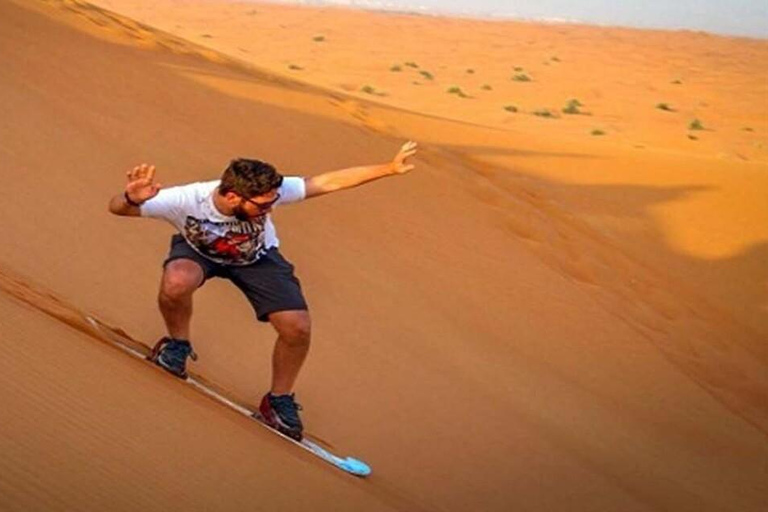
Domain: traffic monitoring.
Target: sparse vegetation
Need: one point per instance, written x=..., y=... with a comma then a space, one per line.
x=427, y=75
x=510, y=108
x=518, y=69
x=665, y=107
x=521, y=77
x=693, y=137
x=486, y=87
x=318, y=39
x=295, y=67
x=457, y=90
x=396, y=68
x=555, y=59
x=412, y=65
x=696, y=125
x=572, y=107
x=597, y=132
x=369, y=89
x=546, y=113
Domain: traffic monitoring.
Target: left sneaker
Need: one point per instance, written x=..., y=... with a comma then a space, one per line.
x=281, y=412
x=171, y=354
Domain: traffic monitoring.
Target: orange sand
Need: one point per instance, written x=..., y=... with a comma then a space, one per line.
x=535, y=318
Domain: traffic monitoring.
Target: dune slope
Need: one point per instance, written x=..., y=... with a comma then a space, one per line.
x=475, y=340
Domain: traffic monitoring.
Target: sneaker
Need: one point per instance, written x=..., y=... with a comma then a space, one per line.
x=281, y=412
x=171, y=354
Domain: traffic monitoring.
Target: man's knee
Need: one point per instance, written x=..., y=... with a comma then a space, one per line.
x=294, y=327
x=180, y=279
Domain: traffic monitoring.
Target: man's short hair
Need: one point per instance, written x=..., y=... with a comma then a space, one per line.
x=249, y=178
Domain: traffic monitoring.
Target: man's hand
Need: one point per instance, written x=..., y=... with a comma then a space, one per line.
x=141, y=186
x=398, y=164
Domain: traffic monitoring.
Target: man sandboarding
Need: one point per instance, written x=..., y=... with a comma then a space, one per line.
x=225, y=230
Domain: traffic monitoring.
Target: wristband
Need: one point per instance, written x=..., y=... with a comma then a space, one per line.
x=131, y=201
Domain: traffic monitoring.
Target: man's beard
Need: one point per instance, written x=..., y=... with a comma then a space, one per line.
x=240, y=213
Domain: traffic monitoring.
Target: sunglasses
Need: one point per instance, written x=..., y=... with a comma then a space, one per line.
x=262, y=206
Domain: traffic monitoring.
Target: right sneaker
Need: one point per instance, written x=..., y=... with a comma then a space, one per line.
x=281, y=412
x=171, y=355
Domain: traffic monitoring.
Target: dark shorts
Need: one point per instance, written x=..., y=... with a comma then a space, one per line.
x=269, y=284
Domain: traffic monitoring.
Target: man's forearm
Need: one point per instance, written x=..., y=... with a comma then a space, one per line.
x=119, y=206
x=350, y=177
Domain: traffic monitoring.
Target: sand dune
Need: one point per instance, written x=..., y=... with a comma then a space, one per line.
x=533, y=319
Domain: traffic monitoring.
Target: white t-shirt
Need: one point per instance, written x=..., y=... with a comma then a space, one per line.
x=220, y=238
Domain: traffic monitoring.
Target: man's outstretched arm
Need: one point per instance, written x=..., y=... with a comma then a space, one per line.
x=354, y=176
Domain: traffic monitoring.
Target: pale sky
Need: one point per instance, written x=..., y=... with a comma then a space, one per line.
x=736, y=17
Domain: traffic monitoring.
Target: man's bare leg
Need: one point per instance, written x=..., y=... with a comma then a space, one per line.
x=181, y=278
x=291, y=348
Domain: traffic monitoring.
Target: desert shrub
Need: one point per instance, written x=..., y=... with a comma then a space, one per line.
x=457, y=90
x=572, y=107
x=543, y=112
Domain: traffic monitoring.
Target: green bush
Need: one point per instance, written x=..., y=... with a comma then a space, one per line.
x=396, y=68
x=427, y=75
x=696, y=125
x=412, y=65
x=572, y=107
x=521, y=77
x=457, y=90
x=544, y=113
x=597, y=132
x=486, y=87
x=510, y=108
